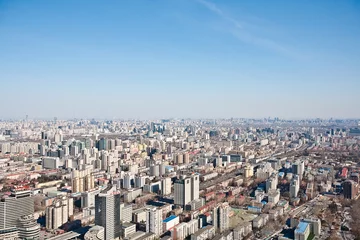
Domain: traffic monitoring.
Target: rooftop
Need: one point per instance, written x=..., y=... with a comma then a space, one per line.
x=301, y=228
x=172, y=217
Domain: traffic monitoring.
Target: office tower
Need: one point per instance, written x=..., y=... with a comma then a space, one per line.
x=221, y=217
x=28, y=228
x=195, y=187
x=295, y=186
x=182, y=191
x=154, y=221
x=298, y=168
x=18, y=204
x=166, y=186
x=103, y=144
x=186, y=189
x=107, y=212
x=350, y=189
x=59, y=212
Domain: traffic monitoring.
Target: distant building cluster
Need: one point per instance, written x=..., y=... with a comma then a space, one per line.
x=224, y=179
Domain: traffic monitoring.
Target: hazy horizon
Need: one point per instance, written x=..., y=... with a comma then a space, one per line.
x=180, y=59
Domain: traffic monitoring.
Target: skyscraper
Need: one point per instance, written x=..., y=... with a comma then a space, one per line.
x=103, y=144
x=107, y=212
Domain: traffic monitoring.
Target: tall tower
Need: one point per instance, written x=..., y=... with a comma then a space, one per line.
x=154, y=221
x=221, y=217
x=182, y=191
x=107, y=212
x=195, y=187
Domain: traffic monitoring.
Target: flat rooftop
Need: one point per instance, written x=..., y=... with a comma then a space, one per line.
x=301, y=227
x=172, y=217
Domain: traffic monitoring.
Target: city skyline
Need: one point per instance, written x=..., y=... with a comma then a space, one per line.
x=179, y=59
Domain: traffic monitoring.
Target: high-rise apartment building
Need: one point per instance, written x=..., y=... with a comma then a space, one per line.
x=59, y=212
x=295, y=186
x=298, y=168
x=154, y=221
x=166, y=186
x=221, y=217
x=107, y=212
x=82, y=180
x=195, y=186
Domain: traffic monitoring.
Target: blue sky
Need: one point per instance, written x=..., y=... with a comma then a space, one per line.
x=179, y=58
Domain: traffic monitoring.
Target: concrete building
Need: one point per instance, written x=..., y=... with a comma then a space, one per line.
x=271, y=183
x=59, y=212
x=28, y=228
x=298, y=168
x=182, y=191
x=350, y=189
x=295, y=186
x=154, y=221
x=107, y=212
x=170, y=222
x=220, y=217
x=207, y=232
x=274, y=196
x=82, y=180
x=95, y=233
x=315, y=225
x=51, y=162
x=88, y=198
x=248, y=171
x=13, y=207
x=166, y=186
x=302, y=231
x=126, y=212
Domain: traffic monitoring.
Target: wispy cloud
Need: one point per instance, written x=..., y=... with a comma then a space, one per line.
x=240, y=32
x=215, y=9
